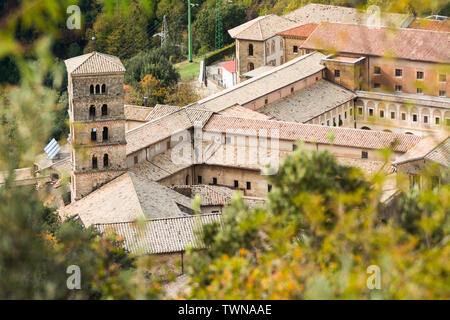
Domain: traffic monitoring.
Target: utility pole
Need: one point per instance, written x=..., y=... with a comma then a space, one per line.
x=189, y=31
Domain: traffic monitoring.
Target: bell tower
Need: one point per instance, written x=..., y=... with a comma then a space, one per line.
x=97, y=121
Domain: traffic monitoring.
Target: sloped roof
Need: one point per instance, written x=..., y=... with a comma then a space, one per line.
x=242, y=112
x=164, y=127
x=209, y=194
x=161, y=110
x=431, y=24
x=270, y=81
x=94, y=63
x=301, y=31
x=230, y=66
x=317, y=13
x=261, y=28
x=348, y=137
x=309, y=102
x=159, y=236
x=137, y=113
x=127, y=198
x=435, y=147
x=412, y=44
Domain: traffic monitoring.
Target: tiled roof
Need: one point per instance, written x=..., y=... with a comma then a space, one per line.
x=137, y=113
x=309, y=102
x=161, y=110
x=162, y=235
x=23, y=175
x=302, y=31
x=368, y=167
x=258, y=71
x=210, y=195
x=412, y=44
x=431, y=24
x=164, y=127
x=127, y=198
x=242, y=112
x=261, y=28
x=349, y=137
x=230, y=66
x=159, y=167
x=94, y=63
x=434, y=147
x=317, y=13
x=265, y=83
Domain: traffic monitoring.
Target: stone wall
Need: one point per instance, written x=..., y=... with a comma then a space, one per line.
x=243, y=59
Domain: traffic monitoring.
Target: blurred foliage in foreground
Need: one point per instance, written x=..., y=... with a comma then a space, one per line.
x=315, y=240
x=319, y=233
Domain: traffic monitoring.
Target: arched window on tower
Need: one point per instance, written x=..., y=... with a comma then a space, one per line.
x=250, y=49
x=94, y=162
x=97, y=89
x=105, y=133
x=103, y=88
x=104, y=110
x=91, y=89
x=92, y=111
x=105, y=161
x=94, y=134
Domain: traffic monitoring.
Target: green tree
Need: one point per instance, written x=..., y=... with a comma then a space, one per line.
x=316, y=236
x=154, y=62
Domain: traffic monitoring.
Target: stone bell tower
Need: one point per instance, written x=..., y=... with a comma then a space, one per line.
x=97, y=121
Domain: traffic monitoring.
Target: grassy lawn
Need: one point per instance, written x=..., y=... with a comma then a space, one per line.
x=188, y=70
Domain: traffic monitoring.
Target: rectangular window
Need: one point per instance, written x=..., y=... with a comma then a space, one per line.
x=371, y=112
x=381, y=113
x=414, y=117
x=337, y=73
x=364, y=155
x=425, y=119
x=269, y=187
x=199, y=179
x=437, y=120
x=398, y=72
x=136, y=160
x=266, y=100
x=360, y=110
x=442, y=93
x=447, y=122
x=295, y=49
x=249, y=185
x=345, y=115
x=442, y=78
x=236, y=183
x=398, y=88
x=419, y=75
x=419, y=90
x=376, y=70
x=294, y=147
x=376, y=85
x=403, y=116
x=214, y=181
x=351, y=112
x=328, y=122
x=392, y=114
x=168, y=144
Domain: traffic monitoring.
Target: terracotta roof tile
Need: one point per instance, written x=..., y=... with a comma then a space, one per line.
x=162, y=235
x=431, y=24
x=350, y=137
x=302, y=31
x=137, y=113
x=261, y=28
x=94, y=63
x=318, y=13
x=412, y=44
